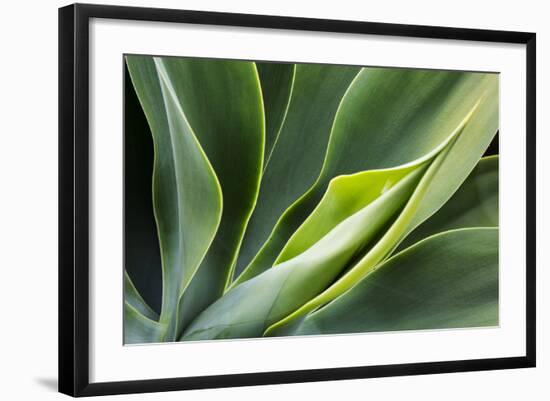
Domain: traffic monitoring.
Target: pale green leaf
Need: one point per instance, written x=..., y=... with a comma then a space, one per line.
x=247, y=309
x=297, y=157
x=474, y=204
x=445, y=174
x=387, y=118
x=449, y=280
x=140, y=329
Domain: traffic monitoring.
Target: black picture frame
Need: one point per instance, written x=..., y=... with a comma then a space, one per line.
x=74, y=191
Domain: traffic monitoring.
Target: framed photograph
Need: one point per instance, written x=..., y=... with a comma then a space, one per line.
x=249, y=199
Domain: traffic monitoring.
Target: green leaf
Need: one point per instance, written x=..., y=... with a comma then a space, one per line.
x=387, y=118
x=297, y=156
x=474, y=204
x=141, y=244
x=140, y=329
x=443, y=177
x=222, y=101
x=277, y=81
x=247, y=309
x=133, y=298
x=345, y=196
x=186, y=192
x=448, y=280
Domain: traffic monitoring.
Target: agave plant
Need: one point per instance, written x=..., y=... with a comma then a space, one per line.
x=298, y=199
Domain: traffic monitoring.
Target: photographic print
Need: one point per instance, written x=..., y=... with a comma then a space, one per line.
x=273, y=199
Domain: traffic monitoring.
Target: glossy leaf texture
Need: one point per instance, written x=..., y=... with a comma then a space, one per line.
x=447, y=280
x=387, y=118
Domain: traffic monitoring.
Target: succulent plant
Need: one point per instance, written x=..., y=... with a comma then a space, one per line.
x=299, y=199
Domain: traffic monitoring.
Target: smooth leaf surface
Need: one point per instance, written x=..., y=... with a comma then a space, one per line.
x=141, y=244
x=276, y=80
x=140, y=329
x=348, y=194
x=445, y=174
x=247, y=309
x=279, y=190
x=186, y=191
x=223, y=103
x=474, y=204
x=391, y=117
x=448, y=280
x=297, y=157
x=132, y=297
x=345, y=196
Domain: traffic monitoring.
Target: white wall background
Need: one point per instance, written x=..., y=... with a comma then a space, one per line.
x=28, y=200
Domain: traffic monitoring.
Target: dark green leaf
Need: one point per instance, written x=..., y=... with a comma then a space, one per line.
x=390, y=117
x=140, y=329
x=297, y=158
x=141, y=244
x=276, y=80
x=249, y=308
x=449, y=280
x=222, y=101
x=443, y=177
x=186, y=192
x=132, y=297
x=474, y=204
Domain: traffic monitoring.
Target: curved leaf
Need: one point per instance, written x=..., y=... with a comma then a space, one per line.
x=247, y=309
x=141, y=244
x=186, y=192
x=443, y=177
x=277, y=81
x=474, y=204
x=449, y=280
x=132, y=296
x=140, y=329
x=345, y=196
x=388, y=117
x=222, y=101
x=297, y=157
